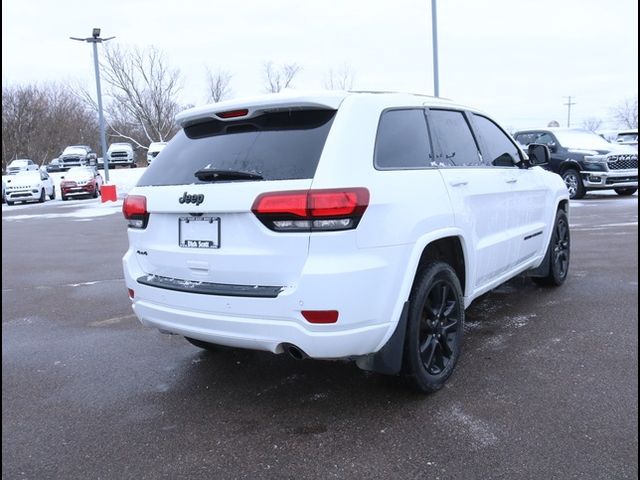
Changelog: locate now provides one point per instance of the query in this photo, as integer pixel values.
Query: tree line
(141, 98)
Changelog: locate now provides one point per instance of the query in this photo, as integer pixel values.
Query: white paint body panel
(367, 273)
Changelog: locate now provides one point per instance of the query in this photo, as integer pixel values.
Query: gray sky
(515, 59)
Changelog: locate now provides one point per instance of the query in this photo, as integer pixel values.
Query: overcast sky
(515, 59)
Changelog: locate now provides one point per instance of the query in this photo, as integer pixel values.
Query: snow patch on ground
(88, 212)
(480, 431)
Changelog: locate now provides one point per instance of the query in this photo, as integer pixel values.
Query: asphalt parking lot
(546, 388)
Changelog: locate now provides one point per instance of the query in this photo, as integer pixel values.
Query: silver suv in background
(154, 150)
(121, 154)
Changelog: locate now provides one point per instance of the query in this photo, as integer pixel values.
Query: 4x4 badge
(186, 198)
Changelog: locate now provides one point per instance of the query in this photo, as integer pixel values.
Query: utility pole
(568, 104)
(95, 39)
(434, 32)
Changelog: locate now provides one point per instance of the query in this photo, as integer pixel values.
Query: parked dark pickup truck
(586, 161)
(77, 156)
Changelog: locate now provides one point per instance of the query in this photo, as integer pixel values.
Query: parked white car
(341, 225)
(21, 165)
(154, 149)
(121, 154)
(29, 185)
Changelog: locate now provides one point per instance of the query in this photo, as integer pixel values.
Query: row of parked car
(118, 155)
(37, 185)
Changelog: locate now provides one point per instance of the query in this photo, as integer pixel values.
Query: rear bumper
(361, 289)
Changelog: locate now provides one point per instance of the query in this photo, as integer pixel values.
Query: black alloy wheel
(558, 253)
(434, 332)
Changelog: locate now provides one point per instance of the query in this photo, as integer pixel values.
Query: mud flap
(388, 360)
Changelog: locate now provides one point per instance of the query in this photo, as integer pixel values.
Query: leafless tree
(340, 79)
(38, 121)
(143, 93)
(592, 124)
(218, 83)
(626, 113)
(277, 77)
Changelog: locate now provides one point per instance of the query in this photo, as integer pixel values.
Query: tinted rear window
(279, 146)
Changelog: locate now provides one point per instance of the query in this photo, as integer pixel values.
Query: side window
(545, 139)
(402, 140)
(457, 145)
(500, 150)
(525, 139)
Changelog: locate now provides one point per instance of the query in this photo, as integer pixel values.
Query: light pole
(434, 33)
(95, 39)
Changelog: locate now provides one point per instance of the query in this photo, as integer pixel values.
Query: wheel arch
(446, 245)
(569, 164)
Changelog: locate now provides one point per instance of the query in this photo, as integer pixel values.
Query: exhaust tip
(295, 352)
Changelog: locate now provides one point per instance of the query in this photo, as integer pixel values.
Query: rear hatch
(200, 192)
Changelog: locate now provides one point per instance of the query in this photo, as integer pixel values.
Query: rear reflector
(233, 113)
(320, 316)
(131, 292)
(134, 209)
(312, 210)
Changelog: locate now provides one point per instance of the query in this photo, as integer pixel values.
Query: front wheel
(626, 192)
(43, 196)
(53, 194)
(574, 184)
(558, 253)
(434, 329)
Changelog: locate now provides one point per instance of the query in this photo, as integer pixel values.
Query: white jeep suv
(351, 225)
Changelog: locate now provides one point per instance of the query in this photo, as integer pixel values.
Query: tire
(9, 203)
(43, 196)
(574, 183)
(211, 347)
(133, 165)
(626, 192)
(95, 192)
(435, 327)
(558, 253)
(53, 194)
(64, 197)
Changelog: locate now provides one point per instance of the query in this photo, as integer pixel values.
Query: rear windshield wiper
(212, 175)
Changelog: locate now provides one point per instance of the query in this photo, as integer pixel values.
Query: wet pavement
(546, 387)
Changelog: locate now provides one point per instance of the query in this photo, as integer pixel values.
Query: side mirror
(538, 154)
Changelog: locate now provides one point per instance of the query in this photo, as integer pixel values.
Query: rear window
(278, 146)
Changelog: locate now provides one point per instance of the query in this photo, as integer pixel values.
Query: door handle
(458, 183)
(512, 180)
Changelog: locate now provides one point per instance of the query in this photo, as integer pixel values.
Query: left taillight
(312, 210)
(135, 211)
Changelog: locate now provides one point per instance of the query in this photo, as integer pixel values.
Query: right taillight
(312, 210)
(134, 210)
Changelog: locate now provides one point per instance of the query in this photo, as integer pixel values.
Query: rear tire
(625, 192)
(434, 328)
(558, 253)
(574, 183)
